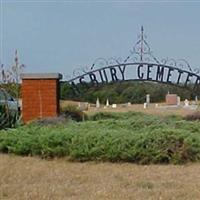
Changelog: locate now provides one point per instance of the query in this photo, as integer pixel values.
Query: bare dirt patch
(33, 178)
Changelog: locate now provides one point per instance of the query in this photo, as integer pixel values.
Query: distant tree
(123, 92)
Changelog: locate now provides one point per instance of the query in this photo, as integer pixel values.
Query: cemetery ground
(161, 110)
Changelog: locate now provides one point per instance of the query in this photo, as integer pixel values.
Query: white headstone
(145, 105)
(196, 99)
(148, 98)
(186, 103)
(129, 104)
(97, 103)
(178, 101)
(114, 105)
(107, 103)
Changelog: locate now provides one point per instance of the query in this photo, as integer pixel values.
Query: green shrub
(114, 137)
(103, 116)
(50, 121)
(193, 116)
(73, 113)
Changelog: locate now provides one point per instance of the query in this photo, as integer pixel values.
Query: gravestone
(196, 99)
(97, 103)
(129, 104)
(148, 98)
(107, 103)
(178, 101)
(171, 99)
(114, 105)
(186, 103)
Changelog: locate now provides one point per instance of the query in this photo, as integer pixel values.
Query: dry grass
(150, 110)
(33, 178)
(64, 103)
(138, 108)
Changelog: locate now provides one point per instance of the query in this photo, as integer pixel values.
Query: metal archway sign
(139, 72)
(140, 65)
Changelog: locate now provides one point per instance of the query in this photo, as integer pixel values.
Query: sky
(60, 36)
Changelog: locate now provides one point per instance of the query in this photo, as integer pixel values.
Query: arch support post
(40, 95)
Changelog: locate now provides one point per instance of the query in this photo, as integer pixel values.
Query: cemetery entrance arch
(140, 65)
(138, 72)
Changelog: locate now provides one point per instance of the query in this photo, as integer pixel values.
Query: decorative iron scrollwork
(102, 62)
(180, 63)
(78, 72)
(196, 70)
(99, 63)
(183, 64)
(140, 53)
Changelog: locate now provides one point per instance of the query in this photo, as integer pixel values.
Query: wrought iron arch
(143, 72)
(147, 68)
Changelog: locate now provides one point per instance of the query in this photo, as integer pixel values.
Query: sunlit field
(25, 178)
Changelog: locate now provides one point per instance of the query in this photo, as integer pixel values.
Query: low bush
(114, 137)
(50, 121)
(193, 116)
(116, 116)
(72, 112)
(103, 116)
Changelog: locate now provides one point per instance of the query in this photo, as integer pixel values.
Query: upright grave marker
(148, 99)
(171, 99)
